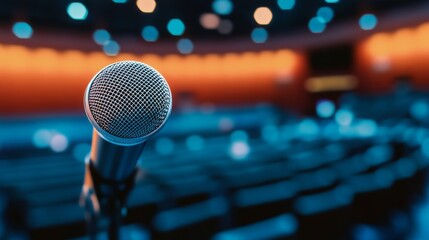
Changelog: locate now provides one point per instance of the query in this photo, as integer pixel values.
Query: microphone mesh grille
(129, 99)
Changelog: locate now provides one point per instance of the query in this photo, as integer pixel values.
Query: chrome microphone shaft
(114, 162)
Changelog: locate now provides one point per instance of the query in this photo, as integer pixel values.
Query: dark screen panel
(337, 58)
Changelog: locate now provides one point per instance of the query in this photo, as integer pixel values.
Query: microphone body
(111, 161)
(126, 102)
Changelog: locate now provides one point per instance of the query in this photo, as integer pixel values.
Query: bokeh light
(176, 27)
(194, 142)
(120, 1)
(222, 7)
(59, 143)
(239, 150)
(150, 33)
(259, 35)
(225, 26)
(209, 21)
(325, 108)
(368, 21)
(332, 1)
(22, 30)
(77, 11)
(101, 36)
(364, 232)
(420, 110)
(381, 64)
(111, 48)
(185, 46)
(263, 15)
(308, 127)
(286, 4)
(42, 138)
(146, 6)
(326, 14)
(344, 117)
(366, 128)
(316, 25)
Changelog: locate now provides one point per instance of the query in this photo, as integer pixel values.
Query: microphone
(126, 102)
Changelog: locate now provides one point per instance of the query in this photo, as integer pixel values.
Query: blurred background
(291, 119)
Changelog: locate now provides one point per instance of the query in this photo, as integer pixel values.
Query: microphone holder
(104, 202)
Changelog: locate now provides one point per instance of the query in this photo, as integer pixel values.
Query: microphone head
(127, 102)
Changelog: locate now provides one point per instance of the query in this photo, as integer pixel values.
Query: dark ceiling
(126, 19)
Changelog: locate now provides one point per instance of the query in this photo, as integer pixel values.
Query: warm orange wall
(48, 80)
(385, 56)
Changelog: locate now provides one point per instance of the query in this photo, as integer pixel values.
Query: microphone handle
(114, 162)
